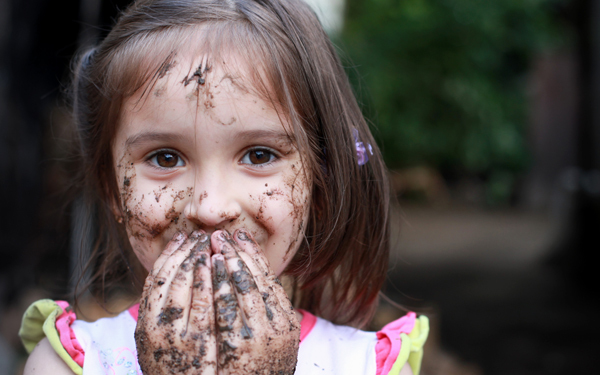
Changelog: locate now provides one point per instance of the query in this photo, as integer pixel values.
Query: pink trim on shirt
(134, 311)
(66, 334)
(307, 323)
(389, 342)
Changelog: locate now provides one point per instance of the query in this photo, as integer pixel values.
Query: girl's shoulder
(334, 349)
(54, 326)
(44, 360)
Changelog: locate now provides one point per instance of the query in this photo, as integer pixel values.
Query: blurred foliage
(444, 81)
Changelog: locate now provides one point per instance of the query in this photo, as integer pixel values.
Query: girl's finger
(175, 243)
(171, 293)
(229, 325)
(202, 291)
(250, 247)
(200, 330)
(272, 307)
(252, 306)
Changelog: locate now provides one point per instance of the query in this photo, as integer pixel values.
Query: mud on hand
(257, 329)
(175, 332)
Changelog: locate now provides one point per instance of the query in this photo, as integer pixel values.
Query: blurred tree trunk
(576, 253)
(38, 39)
(587, 214)
(34, 46)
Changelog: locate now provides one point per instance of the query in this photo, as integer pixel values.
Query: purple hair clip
(361, 150)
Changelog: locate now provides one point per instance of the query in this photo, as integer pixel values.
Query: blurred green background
(444, 82)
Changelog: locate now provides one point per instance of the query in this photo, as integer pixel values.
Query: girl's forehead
(193, 89)
(216, 75)
(199, 73)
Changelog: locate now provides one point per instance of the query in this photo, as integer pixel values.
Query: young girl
(223, 148)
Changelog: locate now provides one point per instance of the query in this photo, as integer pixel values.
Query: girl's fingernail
(197, 234)
(242, 235)
(223, 235)
(179, 236)
(203, 237)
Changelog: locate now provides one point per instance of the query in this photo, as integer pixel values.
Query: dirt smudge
(169, 314)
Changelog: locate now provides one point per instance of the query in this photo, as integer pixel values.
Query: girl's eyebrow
(250, 135)
(147, 137)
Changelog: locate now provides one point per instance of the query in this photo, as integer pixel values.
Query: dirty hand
(175, 332)
(257, 329)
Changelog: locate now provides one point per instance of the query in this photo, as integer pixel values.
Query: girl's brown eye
(166, 160)
(259, 156)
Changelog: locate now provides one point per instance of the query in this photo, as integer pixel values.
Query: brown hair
(340, 268)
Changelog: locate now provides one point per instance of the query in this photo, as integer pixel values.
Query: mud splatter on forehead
(198, 75)
(166, 66)
(140, 63)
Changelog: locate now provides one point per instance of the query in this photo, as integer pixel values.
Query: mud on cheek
(150, 213)
(296, 198)
(299, 199)
(147, 219)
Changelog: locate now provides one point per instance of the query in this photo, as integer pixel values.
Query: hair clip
(361, 150)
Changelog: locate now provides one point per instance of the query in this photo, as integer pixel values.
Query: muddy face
(201, 151)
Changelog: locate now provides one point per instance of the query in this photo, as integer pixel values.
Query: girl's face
(202, 152)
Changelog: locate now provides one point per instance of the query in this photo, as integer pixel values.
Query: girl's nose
(213, 203)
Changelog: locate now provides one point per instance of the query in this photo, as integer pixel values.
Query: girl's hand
(175, 332)
(257, 328)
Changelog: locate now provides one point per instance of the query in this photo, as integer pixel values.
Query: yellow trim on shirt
(411, 350)
(39, 321)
